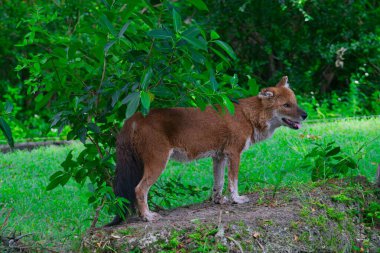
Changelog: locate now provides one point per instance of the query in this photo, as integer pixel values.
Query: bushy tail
(129, 172)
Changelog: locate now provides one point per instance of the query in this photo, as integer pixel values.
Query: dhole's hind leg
(152, 170)
(219, 165)
(233, 172)
(142, 190)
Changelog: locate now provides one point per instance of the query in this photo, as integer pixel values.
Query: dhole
(145, 144)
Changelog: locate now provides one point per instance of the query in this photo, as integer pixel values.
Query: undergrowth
(59, 218)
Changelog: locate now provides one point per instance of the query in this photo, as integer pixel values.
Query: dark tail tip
(116, 221)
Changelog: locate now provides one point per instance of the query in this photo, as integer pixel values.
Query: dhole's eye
(287, 105)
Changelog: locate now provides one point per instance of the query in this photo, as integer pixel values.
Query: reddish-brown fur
(145, 144)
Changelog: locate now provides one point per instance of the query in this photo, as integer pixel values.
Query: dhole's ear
(266, 93)
(283, 82)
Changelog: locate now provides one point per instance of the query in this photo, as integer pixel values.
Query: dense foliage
(330, 49)
(84, 66)
(96, 64)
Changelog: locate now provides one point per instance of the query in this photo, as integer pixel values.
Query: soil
(302, 219)
(184, 217)
(323, 216)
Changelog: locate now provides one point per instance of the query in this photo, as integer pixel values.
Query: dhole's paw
(151, 216)
(220, 200)
(240, 199)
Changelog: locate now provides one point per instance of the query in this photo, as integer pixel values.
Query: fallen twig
(220, 232)
(237, 243)
(6, 219)
(12, 241)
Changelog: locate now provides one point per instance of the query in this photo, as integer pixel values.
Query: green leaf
(82, 134)
(123, 29)
(253, 87)
(199, 43)
(80, 175)
(214, 35)
(160, 34)
(132, 106)
(58, 180)
(131, 5)
(7, 132)
(37, 67)
(146, 20)
(213, 81)
(91, 199)
(130, 96)
(54, 183)
(191, 32)
(146, 78)
(223, 57)
(145, 99)
(93, 127)
(222, 66)
(91, 187)
(8, 107)
(56, 118)
(234, 80)
(197, 57)
(176, 20)
(107, 24)
(115, 97)
(55, 175)
(313, 153)
(333, 152)
(200, 103)
(106, 4)
(64, 179)
(199, 4)
(108, 46)
(69, 162)
(226, 48)
(42, 100)
(227, 102)
(350, 163)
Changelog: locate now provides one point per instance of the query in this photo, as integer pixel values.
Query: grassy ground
(312, 217)
(57, 218)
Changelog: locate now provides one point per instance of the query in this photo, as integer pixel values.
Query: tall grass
(59, 217)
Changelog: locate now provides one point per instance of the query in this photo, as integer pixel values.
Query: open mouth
(292, 124)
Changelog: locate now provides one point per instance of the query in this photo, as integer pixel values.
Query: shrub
(327, 161)
(99, 63)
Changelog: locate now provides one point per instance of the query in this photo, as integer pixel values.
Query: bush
(99, 63)
(327, 161)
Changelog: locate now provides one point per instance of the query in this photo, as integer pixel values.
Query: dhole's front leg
(219, 165)
(233, 171)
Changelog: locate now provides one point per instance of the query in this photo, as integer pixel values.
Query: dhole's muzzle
(294, 124)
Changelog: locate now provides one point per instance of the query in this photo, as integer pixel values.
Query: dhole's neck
(262, 120)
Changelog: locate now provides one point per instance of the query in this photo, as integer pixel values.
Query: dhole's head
(281, 101)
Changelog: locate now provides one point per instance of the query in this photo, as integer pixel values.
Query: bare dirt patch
(184, 217)
(308, 218)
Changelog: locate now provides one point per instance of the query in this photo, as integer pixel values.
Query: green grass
(52, 217)
(283, 154)
(59, 217)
